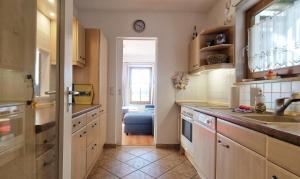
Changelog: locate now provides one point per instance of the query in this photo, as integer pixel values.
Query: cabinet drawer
(46, 165)
(92, 131)
(276, 172)
(45, 141)
(78, 122)
(92, 152)
(284, 155)
(92, 115)
(246, 137)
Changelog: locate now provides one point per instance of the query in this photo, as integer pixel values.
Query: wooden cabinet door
(234, 161)
(81, 42)
(276, 172)
(92, 155)
(79, 154)
(103, 123)
(92, 131)
(204, 150)
(194, 62)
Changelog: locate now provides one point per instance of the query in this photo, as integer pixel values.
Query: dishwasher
(204, 145)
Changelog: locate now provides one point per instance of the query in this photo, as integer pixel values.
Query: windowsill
(269, 81)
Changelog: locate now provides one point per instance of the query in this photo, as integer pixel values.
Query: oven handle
(187, 118)
(203, 126)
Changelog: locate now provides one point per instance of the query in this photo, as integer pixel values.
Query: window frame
(130, 68)
(286, 71)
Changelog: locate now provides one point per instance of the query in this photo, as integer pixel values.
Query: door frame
(64, 78)
(119, 79)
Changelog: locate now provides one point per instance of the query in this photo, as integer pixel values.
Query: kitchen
(227, 89)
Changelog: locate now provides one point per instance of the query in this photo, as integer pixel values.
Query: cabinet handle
(102, 110)
(84, 132)
(80, 135)
(95, 124)
(45, 141)
(274, 177)
(74, 125)
(95, 145)
(79, 122)
(208, 121)
(226, 146)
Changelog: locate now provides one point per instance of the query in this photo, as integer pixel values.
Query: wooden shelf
(216, 47)
(216, 30)
(213, 67)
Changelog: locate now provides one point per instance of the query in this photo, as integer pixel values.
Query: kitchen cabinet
(194, 60)
(234, 161)
(78, 41)
(86, 142)
(204, 150)
(53, 42)
(284, 155)
(103, 124)
(276, 172)
(79, 150)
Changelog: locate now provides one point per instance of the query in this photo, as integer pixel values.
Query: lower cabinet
(86, 146)
(234, 161)
(79, 154)
(276, 172)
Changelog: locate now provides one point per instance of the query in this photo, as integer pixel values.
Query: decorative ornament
(180, 80)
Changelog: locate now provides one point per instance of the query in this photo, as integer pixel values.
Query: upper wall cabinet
(212, 49)
(78, 38)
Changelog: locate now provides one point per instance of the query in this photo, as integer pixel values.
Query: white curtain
(275, 42)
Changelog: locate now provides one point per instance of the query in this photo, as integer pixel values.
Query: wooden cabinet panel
(92, 155)
(46, 165)
(45, 141)
(235, 161)
(78, 122)
(79, 150)
(284, 155)
(204, 150)
(78, 43)
(194, 62)
(103, 128)
(53, 42)
(276, 172)
(92, 131)
(251, 139)
(94, 114)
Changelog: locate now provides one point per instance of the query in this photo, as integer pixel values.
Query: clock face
(139, 26)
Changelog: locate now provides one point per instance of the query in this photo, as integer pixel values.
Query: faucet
(283, 105)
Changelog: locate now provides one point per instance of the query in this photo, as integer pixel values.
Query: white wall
(173, 31)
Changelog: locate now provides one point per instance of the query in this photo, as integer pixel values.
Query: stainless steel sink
(274, 119)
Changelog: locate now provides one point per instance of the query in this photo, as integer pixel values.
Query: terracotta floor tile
(154, 170)
(137, 175)
(121, 170)
(168, 163)
(138, 162)
(173, 175)
(102, 174)
(185, 169)
(123, 156)
(108, 163)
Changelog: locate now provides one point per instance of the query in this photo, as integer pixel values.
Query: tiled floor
(142, 163)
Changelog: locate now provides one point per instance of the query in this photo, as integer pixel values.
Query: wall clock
(139, 26)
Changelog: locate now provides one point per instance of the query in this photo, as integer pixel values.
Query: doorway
(138, 91)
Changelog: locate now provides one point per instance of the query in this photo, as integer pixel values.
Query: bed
(139, 122)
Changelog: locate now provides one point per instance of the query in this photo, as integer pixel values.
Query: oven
(11, 127)
(187, 129)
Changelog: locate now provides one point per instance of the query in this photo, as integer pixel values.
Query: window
(273, 29)
(140, 85)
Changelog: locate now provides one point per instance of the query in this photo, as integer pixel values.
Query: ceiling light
(52, 14)
(51, 1)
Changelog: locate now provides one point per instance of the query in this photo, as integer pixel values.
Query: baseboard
(168, 146)
(109, 146)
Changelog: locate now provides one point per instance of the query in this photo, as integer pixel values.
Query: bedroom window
(140, 85)
(273, 37)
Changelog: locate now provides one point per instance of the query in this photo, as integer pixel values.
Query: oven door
(11, 131)
(187, 128)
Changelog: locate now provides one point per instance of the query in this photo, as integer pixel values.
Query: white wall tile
(286, 87)
(267, 87)
(276, 87)
(296, 86)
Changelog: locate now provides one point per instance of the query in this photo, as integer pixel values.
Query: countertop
(288, 132)
(77, 110)
(45, 117)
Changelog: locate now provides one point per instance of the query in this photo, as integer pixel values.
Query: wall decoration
(139, 26)
(180, 80)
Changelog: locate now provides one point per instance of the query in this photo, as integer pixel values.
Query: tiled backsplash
(271, 91)
(210, 86)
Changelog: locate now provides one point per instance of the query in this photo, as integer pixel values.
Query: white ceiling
(146, 5)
